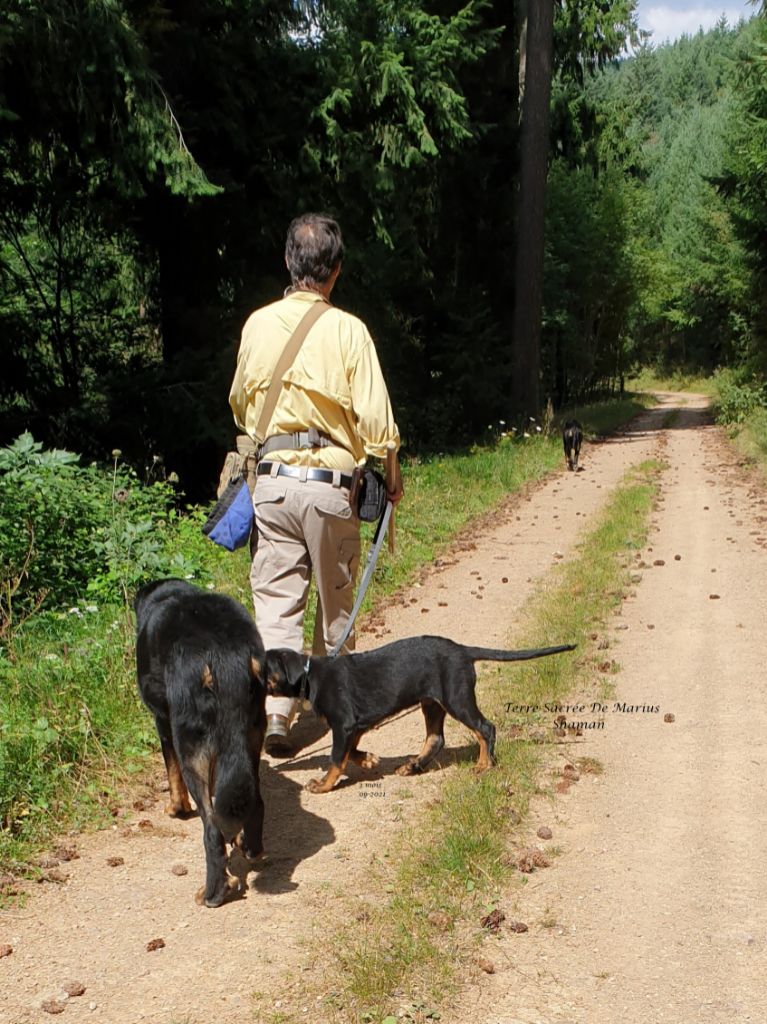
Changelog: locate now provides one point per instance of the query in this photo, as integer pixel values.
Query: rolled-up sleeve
(237, 396)
(370, 401)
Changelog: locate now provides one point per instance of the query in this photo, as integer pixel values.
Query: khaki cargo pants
(302, 528)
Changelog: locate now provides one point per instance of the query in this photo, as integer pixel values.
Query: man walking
(330, 412)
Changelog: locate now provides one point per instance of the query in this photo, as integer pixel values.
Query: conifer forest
(536, 201)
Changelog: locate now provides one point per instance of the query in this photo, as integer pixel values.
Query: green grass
(71, 725)
(72, 729)
(746, 424)
(751, 438)
(602, 418)
(649, 379)
(455, 865)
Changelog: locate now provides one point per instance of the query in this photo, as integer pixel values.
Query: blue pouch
(231, 520)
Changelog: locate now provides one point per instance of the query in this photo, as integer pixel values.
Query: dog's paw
(182, 809)
(226, 889)
(238, 865)
(316, 786)
(410, 768)
(236, 885)
(369, 761)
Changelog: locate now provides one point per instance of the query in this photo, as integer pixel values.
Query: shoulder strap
(286, 360)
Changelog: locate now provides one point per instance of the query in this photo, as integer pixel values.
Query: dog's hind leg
(178, 805)
(253, 827)
(434, 715)
(468, 714)
(200, 779)
(486, 739)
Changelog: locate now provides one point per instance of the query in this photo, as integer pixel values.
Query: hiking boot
(276, 740)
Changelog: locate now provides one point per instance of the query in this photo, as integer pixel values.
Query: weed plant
(69, 531)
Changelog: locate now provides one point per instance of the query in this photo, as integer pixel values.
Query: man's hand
(397, 492)
(394, 489)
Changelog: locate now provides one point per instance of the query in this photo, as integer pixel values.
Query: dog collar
(303, 690)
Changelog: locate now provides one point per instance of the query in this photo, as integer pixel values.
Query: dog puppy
(357, 691)
(199, 659)
(572, 438)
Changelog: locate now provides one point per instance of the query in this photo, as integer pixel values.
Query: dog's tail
(221, 692)
(489, 654)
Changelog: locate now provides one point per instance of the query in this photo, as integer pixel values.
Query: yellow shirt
(335, 384)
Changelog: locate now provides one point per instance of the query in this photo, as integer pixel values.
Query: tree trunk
(534, 151)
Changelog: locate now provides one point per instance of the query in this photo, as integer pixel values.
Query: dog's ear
(283, 670)
(272, 671)
(294, 668)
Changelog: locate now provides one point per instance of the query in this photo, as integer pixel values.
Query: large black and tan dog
(572, 439)
(357, 691)
(199, 658)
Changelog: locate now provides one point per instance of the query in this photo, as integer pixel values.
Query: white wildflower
(91, 608)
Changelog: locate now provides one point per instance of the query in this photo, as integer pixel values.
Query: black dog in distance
(572, 438)
(199, 659)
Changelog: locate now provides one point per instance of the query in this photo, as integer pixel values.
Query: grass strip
(402, 957)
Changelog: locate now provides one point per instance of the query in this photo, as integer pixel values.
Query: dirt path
(656, 910)
(640, 922)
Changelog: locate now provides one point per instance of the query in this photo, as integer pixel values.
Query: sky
(672, 18)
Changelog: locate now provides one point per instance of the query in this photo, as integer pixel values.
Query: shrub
(738, 399)
(68, 530)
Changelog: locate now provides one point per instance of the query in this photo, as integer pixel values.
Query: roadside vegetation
(738, 402)
(421, 925)
(76, 541)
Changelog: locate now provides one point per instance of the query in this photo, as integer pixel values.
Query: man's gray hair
(314, 249)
